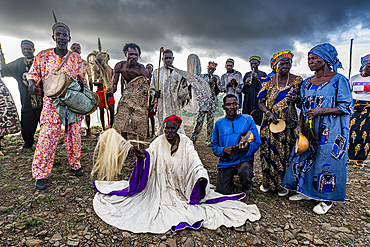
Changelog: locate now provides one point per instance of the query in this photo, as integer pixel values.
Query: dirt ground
(63, 215)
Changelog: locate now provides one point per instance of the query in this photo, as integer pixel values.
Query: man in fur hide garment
(168, 189)
(132, 109)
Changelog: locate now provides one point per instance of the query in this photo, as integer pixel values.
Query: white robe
(164, 202)
(173, 89)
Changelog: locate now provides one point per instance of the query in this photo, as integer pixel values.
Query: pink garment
(45, 63)
(47, 143)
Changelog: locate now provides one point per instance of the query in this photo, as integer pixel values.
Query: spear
(99, 44)
(55, 18)
(350, 60)
(161, 50)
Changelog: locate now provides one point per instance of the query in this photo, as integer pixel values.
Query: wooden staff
(159, 65)
(350, 59)
(161, 50)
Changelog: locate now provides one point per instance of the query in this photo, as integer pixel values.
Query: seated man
(168, 189)
(236, 154)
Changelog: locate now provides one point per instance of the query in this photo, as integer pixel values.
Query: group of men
(168, 91)
(233, 83)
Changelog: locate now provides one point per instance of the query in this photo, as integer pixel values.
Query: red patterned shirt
(47, 62)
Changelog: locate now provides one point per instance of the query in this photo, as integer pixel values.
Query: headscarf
(327, 52)
(280, 55)
(212, 65)
(60, 24)
(364, 61)
(256, 58)
(29, 42)
(174, 119)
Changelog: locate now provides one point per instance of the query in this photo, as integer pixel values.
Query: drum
(56, 85)
(79, 98)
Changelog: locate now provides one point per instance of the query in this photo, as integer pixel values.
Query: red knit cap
(174, 119)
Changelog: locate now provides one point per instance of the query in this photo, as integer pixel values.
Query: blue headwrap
(26, 41)
(364, 61)
(328, 52)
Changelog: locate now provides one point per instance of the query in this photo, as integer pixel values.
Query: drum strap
(59, 67)
(66, 114)
(64, 60)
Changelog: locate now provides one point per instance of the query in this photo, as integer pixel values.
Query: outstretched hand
(140, 154)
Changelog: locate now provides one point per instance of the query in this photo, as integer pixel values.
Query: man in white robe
(169, 189)
(172, 90)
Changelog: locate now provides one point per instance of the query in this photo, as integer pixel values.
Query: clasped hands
(233, 82)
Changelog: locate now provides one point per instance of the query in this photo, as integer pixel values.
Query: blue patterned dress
(321, 172)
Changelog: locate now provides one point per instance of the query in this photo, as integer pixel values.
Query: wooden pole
(159, 65)
(350, 59)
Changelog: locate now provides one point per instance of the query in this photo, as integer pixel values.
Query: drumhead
(56, 84)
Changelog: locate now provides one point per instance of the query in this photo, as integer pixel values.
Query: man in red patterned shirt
(45, 63)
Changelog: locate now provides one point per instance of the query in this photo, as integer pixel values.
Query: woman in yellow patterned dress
(278, 97)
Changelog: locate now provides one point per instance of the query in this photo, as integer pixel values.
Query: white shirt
(360, 87)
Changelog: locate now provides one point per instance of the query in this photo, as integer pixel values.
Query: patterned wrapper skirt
(359, 143)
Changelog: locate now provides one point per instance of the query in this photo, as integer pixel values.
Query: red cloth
(111, 100)
(174, 119)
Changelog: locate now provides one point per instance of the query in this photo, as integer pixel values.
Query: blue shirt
(227, 133)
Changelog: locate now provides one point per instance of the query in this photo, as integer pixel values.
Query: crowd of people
(336, 127)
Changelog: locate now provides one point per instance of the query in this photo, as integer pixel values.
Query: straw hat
(301, 144)
(279, 127)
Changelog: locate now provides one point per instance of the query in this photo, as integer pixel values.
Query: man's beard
(235, 113)
(62, 45)
(132, 63)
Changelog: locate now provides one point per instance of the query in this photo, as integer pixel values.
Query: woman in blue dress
(320, 173)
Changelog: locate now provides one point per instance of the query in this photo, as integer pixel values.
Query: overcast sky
(215, 30)
(208, 28)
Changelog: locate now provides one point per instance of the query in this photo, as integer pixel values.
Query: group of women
(325, 104)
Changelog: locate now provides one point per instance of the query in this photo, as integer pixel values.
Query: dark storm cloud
(212, 28)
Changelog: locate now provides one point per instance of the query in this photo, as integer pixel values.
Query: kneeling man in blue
(236, 153)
